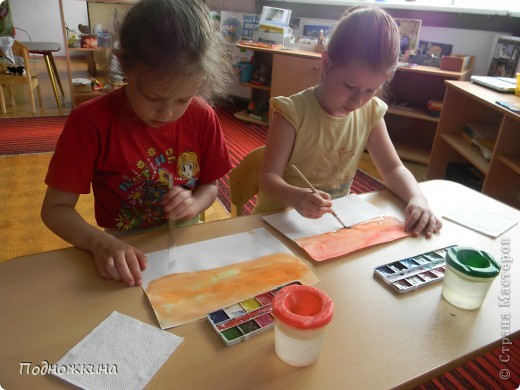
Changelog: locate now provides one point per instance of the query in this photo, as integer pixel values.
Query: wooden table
(377, 339)
(46, 49)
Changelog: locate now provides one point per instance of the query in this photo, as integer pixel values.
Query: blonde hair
(176, 35)
(367, 34)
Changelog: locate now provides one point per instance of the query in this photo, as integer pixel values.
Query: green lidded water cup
(469, 274)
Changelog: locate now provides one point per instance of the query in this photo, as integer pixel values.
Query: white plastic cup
(468, 277)
(301, 315)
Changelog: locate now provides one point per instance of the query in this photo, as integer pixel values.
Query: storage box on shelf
(456, 62)
(411, 124)
(291, 71)
(466, 103)
(100, 12)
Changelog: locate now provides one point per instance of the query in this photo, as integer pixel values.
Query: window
(501, 7)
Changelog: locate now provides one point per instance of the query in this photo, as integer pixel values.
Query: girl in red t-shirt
(127, 144)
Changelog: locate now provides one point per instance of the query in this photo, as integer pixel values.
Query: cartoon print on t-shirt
(145, 186)
(188, 168)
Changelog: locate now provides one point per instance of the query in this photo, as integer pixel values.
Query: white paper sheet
(482, 221)
(209, 254)
(352, 210)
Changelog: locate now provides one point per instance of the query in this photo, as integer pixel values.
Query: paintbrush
(316, 192)
(171, 229)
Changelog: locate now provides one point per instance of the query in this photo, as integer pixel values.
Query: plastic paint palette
(245, 319)
(414, 272)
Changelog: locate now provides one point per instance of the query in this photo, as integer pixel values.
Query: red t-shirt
(128, 163)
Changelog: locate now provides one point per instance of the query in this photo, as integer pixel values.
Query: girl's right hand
(312, 205)
(117, 260)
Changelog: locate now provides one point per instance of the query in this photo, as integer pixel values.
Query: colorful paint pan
(244, 319)
(411, 273)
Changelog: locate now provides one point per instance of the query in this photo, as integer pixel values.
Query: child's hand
(312, 205)
(420, 218)
(117, 260)
(179, 204)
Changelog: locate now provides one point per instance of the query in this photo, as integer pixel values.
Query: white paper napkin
(120, 353)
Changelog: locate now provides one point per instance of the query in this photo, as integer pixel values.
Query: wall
(471, 34)
(41, 18)
(232, 5)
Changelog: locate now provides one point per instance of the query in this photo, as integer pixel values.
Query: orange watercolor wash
(341, 242)
(184, 297)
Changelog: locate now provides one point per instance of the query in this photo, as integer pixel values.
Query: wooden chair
(28, 78)
(243, 180)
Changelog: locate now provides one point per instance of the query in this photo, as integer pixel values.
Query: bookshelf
(291, 71)
(412, 129)
(465, 103)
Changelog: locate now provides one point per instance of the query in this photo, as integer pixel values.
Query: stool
(46, 49)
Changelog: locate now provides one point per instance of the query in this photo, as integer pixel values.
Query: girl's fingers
(124, 270)
(110, 268)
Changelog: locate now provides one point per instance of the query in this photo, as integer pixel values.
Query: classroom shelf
(417, 113)
(87, 49)
(511, 162)
(99, 12)
(291, 71)
(256, 86)
(464, 103)
(417, 85)
(470, 152)
(244, 116)
(409, 151)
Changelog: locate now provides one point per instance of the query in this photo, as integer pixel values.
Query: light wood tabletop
(377, 339)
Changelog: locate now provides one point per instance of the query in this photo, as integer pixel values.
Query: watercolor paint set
(412, 273)
(245, 319)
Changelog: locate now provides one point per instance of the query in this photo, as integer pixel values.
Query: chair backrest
(243, 180)
(28, 78)
(21, 50)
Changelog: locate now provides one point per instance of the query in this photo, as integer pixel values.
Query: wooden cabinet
(99, 12)
(292, 74)
(412, 129)
(464, 103)
(291, 71)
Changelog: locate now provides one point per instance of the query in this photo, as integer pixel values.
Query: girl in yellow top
(325, 129)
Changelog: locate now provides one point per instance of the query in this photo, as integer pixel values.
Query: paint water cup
(301, 315)
(469, 274)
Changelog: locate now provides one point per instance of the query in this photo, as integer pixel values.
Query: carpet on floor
(498, 369)
(29, 135)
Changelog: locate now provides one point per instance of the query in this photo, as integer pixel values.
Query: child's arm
(183, 204)
(419, 216)
(114, 259)
(280, 141)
